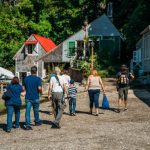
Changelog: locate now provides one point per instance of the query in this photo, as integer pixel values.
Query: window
(71, 47)
(29, 48)
(137, 55)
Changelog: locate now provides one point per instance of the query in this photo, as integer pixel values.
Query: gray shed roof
(102, 26)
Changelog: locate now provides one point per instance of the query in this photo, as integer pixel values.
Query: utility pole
(92, 55)
(85, 37)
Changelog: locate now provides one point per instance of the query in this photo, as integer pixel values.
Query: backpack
(123, 79)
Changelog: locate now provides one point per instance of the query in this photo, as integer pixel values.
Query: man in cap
(56, 90)
(123, 78)
(33, 87)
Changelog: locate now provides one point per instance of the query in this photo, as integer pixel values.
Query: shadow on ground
(143, 96)
(110, 109)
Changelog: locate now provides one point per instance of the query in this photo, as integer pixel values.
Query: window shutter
(135, 56)
(71, 47)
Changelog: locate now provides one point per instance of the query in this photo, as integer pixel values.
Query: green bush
(103, 73)
(85, 67)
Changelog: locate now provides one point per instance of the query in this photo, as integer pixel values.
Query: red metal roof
(46, 43)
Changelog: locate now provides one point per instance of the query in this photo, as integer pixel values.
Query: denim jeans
(72, 105)
(10, 110)
(94, 97)
(29, 104)
(57, 100)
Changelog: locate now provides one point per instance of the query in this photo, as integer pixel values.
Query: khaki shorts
(123, 93)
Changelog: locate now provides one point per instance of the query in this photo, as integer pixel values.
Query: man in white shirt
(56, 90)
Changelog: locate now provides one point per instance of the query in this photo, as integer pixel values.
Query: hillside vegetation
(57, 19)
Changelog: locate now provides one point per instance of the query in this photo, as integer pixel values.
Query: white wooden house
(36, 46)
(141, 56)
(146, 49)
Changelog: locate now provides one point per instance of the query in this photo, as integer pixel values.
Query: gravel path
(128, 130)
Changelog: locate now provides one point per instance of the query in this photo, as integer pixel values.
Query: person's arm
(131, 76)
(76, 90)
(65, 88)
(50, 87)
(102, 85)
(40, 86)
(40, 89)
(23, 93)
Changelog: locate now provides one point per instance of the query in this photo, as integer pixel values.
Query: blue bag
(105, 102)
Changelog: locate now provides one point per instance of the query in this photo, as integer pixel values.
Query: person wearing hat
(123, 78)
(72, 90)
(57, 89)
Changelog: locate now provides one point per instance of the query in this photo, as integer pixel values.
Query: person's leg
(125, 97)
(74, 105)
(36, 111)
(17, 116)
(60, 108)
(70, 105)
(91, 97)
(96, 101)
(54, 105)
(120, 95)
(10, 110)
(27, 113)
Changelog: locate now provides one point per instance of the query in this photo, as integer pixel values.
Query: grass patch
(2, 105)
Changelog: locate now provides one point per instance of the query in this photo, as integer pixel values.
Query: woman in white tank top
(94, 84)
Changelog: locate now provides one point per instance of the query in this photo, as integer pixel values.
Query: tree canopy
(59, 19)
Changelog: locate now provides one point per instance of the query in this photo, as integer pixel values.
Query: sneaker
(125, 109)
(15, 127)
(118, 110)
(8, 130)
(38, 123)
(27, 127)
(55, 126)
(73, 114)
(90, 112)
(96, 114)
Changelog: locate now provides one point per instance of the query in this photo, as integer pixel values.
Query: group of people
(60, 86)
(31, 89)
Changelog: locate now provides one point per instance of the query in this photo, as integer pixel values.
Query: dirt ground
(127, 130)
